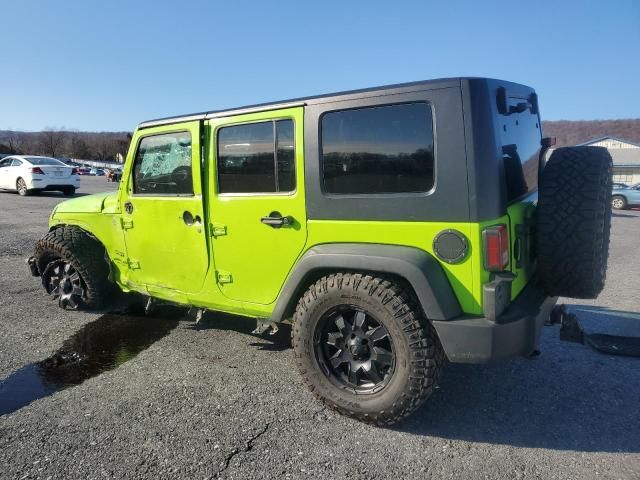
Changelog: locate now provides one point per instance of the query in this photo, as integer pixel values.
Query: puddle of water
(101, 345)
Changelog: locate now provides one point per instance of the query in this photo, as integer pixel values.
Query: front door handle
(275, 220)
(128, 207)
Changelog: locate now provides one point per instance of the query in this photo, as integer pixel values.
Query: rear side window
(386, 149)
(256, 157)
(44, 161)
(163, 165)
(16, 162)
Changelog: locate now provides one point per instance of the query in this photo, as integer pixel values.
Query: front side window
(163, 165)
(5, 163)
(385, 149)
(256, 157)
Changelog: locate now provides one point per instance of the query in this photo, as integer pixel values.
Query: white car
(30, 174)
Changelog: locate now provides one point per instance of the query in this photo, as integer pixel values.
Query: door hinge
(224, 277)
(126, 223)
(218, 230)
(133, 264)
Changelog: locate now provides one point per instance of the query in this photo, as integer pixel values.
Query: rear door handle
(189, 219)
(276, 220)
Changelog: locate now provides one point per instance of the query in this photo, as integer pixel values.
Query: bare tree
(123, 148)
(52, 141)
(78, 147)
(14, 141)
(103, 148)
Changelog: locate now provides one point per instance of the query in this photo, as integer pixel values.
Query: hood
(95, 203)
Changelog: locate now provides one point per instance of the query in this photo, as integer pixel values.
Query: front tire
(618, 202)
(364, 347)
(73, 268)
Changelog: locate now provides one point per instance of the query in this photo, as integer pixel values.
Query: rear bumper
(42, 182)
(516, 332)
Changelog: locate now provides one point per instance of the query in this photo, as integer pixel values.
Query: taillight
(496, 248)
(37, 170)
(74, 171)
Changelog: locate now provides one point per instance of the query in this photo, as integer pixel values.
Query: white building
(625, 155)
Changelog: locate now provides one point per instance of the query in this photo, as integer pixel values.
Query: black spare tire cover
(573, 221)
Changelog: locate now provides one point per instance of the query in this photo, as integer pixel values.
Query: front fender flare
(420, 269)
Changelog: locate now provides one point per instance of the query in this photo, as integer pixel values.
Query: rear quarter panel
(413, 234)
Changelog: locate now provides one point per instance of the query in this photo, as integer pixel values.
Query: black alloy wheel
(354, 350)
(63, 281)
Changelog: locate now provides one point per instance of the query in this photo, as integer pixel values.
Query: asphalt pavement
(214, 401)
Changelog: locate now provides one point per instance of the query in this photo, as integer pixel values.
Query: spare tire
(573, 221)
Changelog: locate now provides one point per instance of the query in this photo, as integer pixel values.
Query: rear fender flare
(415, 266)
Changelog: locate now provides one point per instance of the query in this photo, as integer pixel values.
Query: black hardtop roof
(346, 95)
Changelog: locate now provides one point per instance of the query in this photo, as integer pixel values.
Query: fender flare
(420, 269)
(91, 235)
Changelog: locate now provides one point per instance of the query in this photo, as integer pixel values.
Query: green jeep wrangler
(394, 227)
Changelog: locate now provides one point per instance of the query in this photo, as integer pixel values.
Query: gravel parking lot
(212, 400)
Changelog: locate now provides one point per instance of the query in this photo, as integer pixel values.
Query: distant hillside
(110, 145)
(574, 132)
(66, 144)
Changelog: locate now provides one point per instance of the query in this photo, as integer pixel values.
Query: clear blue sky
(108, 65)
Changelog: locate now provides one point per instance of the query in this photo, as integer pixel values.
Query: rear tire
(363, 346)
(69, 191)
(21, 187)
(618, 202)
(574, 221)
(68, 250)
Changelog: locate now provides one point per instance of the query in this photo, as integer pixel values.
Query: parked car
(97, 171)
(619, 185)
(389, 245)
(622, 198)
(84, 171)
(31, 174)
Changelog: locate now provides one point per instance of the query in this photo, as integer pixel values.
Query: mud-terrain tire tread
(86, 255)
(427, 356)
(574, 221)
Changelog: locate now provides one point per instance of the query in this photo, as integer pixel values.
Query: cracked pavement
(214, 401)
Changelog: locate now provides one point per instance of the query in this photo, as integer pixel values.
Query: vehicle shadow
(49, 194)
(623, 215)
(569, 398)
(60, 194)
(223, 321)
